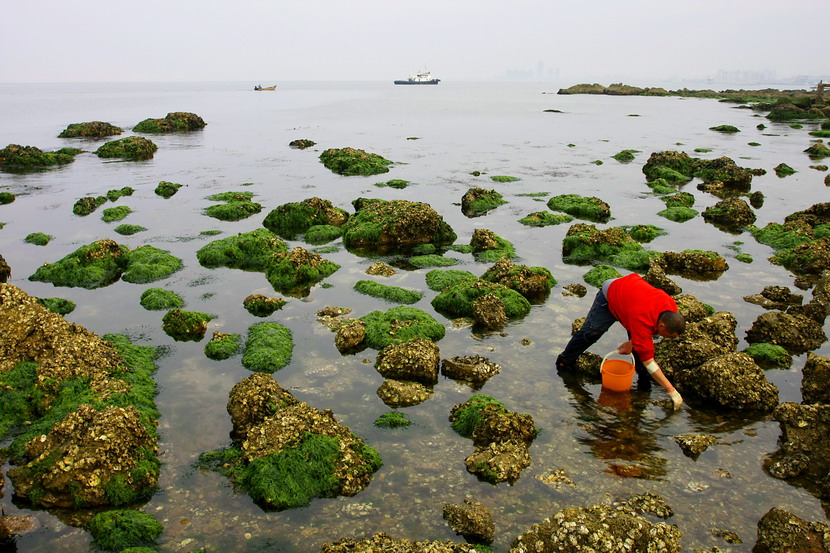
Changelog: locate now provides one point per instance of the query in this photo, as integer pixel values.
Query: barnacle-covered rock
(403, 393)
(472, 520)
(489, 312)
(795, 333)
(815, 381)
(534, 283)
(657, 277)
(380, 268)
(695, 264)
(703, 340)
(416, 360)
(775, 297)
(731, 381)
(383, 543)
(474, 369)
(804, 450)
(694, 444)
(396, 225)
(781, 531)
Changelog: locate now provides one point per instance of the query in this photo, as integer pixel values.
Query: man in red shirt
(644, 311)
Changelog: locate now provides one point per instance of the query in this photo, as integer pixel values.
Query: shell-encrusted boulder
(804, 443)
(657, 277)
(695, 443)
(401, 393)
(775, 297)
(291, 219)
(380, 269)
(731, 381)
(383, 543)
(350, 336)
(83, 454)
(598, 528)
(531, 282)
(499, 425)
(483, 239)
(730, 213)
(499, 461)
(692, 309)
(795, 333)
(696, 265)
(380, 225)
(472, 520)
(474, 369)
(489, 312)
(5, 270)
(295, 272)
(254, 399)
(780, 531)
(702, 341)
(815, 380)
(416, 360)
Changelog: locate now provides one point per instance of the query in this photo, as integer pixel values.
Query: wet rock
(222, 346)
(262, 306)
(695, 265)
(499, 461)
(293, 218)
(795, 333)
(599, 528)
(731, 214)
(695, 443)
(531, 282)
(775, 297)
(588, 365)
(474, 369)
(352, 161)
(780, 531)
(703, 340)
(804, 444)
(254, 399)
(333, 311)
(815, 380)
(131, 148)
(416, 360)
(657, 277)
(16, 158)
(650, 503)
(472, 520)
(396, 225)
(295, 272)
(184, 325)
(731, 381)
(403, 393)
(16, 525)
(575, 289)
(483, 239)
(302, 143)
(94, 129)
(5, 270)
(177, 121)
(383, 543)
(380, 269)
(692, 309)
(489, 312)
(477, 201)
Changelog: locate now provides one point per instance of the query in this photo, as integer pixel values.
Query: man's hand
(676, 399)
(625, 348)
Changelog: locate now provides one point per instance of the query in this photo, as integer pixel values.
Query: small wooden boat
(259, 87)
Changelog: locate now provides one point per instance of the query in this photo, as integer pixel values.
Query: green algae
(477, 201)
(457, 300)
(438, 280)
(294, 218)
(585, 244)
(158, 298)
(223, 346)
(88, 204)
(645, 233)
(769, 355)
(432, 260)
(398, 184)
(725, 129)
(473, 413)
(544, 219)
(6, 198)
(322, 234)
(128, 230)
(249, 251)
(115, 213)
(352, 161)
(18, 393)
(817, 151)
(259, 305)
(398, 325)
(167, 189)
(91, 266)
(16, 158)
(178, 121)
(149, 264)
(389, 293)
(186, 326)
(268, 348)
(295, 272)
(679, 199)
(625, 156)
(590, 208)
(392, 419)
(661, 186)
(119, 529)
(38, 238)
(503, 178)
(678, 214)
(131, 148)
(599, 274)
(236, 206)
(490, 247)
(302, 143)
(115, 194)
(93, 129)
(744, 258)
(60, 306)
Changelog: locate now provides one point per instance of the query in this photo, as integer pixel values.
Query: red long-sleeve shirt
(637, 305)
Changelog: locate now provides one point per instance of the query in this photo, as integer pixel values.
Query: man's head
(670, 324)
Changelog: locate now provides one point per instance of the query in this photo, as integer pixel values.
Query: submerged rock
(29, 158)
(478, 201)
(294, 273)
(804, 452)
(695, 443)
(474, 369)
(383, 543)
(703, 340)
(184, 325)
(780, 531)
(262, 306)
(350, 336)
(731, 214)
(291, 219)
(775, 297)
(488, 311)
(415, 360)
(534, 283)
(352, 161)
(472, 520)
(131, 148)
(403, 393)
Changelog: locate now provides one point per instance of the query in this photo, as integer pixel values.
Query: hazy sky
(269, 41)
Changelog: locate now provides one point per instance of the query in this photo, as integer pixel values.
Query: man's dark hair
(675, 322)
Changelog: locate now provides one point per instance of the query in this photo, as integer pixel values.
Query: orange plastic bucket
(617, 374)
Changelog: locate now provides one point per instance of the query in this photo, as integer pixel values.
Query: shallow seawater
(609, 446)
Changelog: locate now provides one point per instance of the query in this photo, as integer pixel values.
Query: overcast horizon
(267, 42)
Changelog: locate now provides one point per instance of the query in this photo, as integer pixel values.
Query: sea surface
(437, 136)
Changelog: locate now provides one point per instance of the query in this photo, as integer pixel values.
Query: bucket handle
(614, 352)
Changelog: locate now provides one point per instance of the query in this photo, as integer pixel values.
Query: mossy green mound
(28, 158)
(585, 244)
(92, 266)
(400, 324)
(259, 305)
(544, 219)
(534, 283)
(186, 326)
(432, 260)
(398, 184)
(477, 201)
(115, 194)
(268, 348)
(457, 301)
(167, 189)
(130, 148)
(680, 168)
(590, 208)
(295, 272)
(678, 214)
(395, 225)
(392, 419)
(473, 413)
(439, 280)
(625, 156)
(503, 178)
(291, 219)
(6, 198)
(223, 346)
(128, 230)
(159, 298)
(490, 247)
(90, 129)
(817, 151)
(744, 258)
(661, 186)
(390, 293)
(322, 234)
(302, 143)
(783, 170)
(88, 204)
(178, 121)
(60, 306)
(115, 213)
(725, 129)
(351, 161)
(599, 274)
(645, 233)
(249, 251)
(37, 238)
(236, 206)
(119, 529)
(679, 199)
(149, 264)
(769, 355)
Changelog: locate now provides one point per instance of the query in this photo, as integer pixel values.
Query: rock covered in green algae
(394, 294)
(585, 243)
(439, 280)
(392, 419)
(178, 121)
(794, 332)
(302, 143)
(322, 234)
(769, 355)
(400, 324)
(544, 219)
(394, 225)
(121, 529)
(696, 264)
(115, 213)
(38, 238)
(159, 298)
(478, 201)
(167, 189)
(731, 213)
(128, 230)
(6, 198)
(185, 326)
(457, 300)
(88, 204)
(97, 264)
(645, 233)
(625, 156)
(784, 170)
(236, 206)
(90, 129)
(260, 305)
(149, 264)
(489, 246)
(534, 283)
(351, 161)
(293, 218)
(268, 348)
(295, 272)
(130, 148)
(583, 207)
(731, 381)
(248, 250)
(29, 158)
(116, 193)
(728, 129)
(60, 306)
(398, 184)
(415, 360)
(222, 346)
(679, 168)
(288, 453)
(817, 150)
